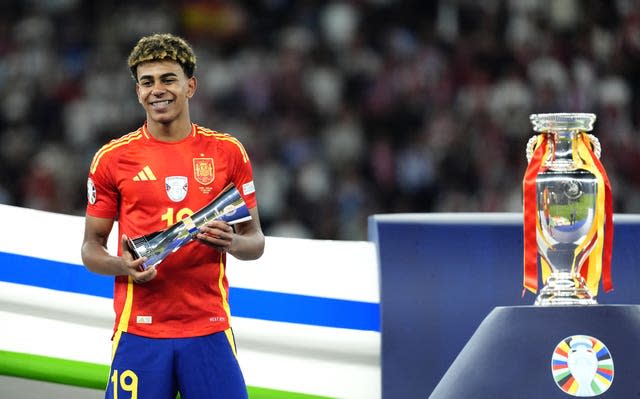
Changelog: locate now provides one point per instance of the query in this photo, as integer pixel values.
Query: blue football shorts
(158, 368)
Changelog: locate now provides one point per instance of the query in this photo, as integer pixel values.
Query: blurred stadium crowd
(348, 108)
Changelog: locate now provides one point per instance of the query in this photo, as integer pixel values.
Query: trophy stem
(565, 289)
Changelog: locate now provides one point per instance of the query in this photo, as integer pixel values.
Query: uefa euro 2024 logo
(582, 366)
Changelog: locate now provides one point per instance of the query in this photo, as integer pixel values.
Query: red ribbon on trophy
(598, 263)
(531, 216)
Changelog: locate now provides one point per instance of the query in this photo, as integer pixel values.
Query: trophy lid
(582, 122)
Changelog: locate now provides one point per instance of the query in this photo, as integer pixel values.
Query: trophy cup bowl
(227, 206)
(566, 204)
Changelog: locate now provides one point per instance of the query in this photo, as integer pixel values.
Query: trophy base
(564, 289)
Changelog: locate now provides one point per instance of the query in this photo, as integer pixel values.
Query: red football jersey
(148, 185)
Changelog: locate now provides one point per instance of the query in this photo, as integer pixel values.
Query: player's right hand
(134, 267)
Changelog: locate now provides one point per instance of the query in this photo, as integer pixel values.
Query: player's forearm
(247, 247)
(97, 259)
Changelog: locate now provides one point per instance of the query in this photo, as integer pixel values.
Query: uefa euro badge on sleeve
(567, 207)
(227, 206)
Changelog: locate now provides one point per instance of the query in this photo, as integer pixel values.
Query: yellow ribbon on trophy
(598, 263)
(600, 236)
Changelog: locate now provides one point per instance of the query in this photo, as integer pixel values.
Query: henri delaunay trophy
(227, 206)
(567, 208)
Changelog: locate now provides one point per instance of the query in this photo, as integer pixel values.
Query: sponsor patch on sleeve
(248, 188)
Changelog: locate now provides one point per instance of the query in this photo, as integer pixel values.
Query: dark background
(347, 108)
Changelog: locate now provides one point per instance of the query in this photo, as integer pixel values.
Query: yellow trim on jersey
(125, 315)
(245, 157)
(114, 344)
(223, 293)
(124, 319)
(113, 144)
(224, 137)
(225, 304)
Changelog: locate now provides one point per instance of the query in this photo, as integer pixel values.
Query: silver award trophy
(565, 206)
(227, 206)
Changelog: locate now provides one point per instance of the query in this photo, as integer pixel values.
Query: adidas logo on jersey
(144, 175)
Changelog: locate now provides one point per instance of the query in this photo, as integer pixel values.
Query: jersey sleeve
(242, 175)
(102, 195)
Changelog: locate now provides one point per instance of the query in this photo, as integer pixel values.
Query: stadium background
(348, 108)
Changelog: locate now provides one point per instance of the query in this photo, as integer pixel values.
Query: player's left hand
(218, 234)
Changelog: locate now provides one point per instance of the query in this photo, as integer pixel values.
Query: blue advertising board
(442, 274)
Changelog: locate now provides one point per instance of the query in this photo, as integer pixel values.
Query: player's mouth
(158, 105)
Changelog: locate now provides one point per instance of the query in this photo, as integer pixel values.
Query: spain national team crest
(582, 366)
(177, 187)
(203, 170)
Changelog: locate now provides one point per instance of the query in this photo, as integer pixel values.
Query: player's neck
(175, 130)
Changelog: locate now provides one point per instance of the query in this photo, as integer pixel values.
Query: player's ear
(192, 85)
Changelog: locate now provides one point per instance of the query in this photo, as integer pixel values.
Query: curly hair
(162, 46)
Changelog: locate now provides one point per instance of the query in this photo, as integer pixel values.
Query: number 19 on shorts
(127, 381)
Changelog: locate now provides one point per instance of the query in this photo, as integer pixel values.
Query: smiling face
(164, 91)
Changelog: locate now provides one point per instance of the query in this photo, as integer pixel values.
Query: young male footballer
(172, 333)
